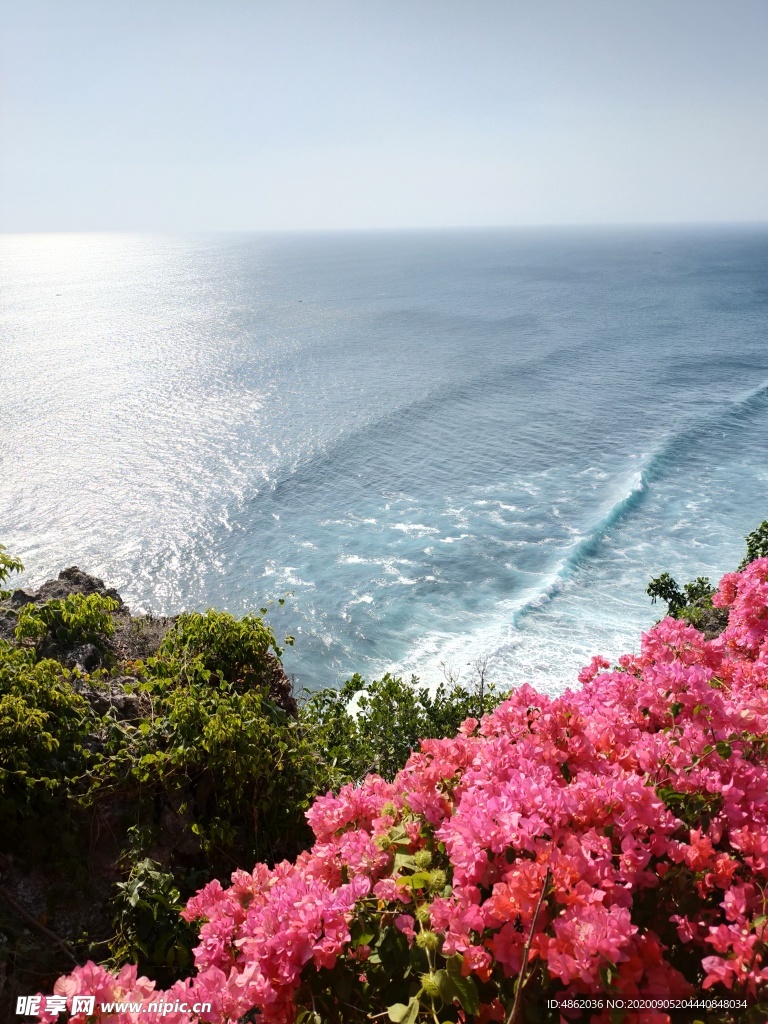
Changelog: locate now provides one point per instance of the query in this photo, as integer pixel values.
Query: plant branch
(517, 1004)
(25, 914)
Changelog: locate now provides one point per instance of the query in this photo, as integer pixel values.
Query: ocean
(440, 447)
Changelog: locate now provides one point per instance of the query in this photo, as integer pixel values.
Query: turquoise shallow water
(445, 446)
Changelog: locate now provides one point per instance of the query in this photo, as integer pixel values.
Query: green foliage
(372, 727)
(235, 650)
(7, 566)
(147, 920)
(75, 619)
(692, 603)
(43, 725)
(207, 761)
(699, 591)
(698, 609)
(757, 544)
(665, 588)
(225, 753)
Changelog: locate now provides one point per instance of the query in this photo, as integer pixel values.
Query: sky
(156, 115)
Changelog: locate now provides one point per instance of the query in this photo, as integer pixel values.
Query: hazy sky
(263, 114)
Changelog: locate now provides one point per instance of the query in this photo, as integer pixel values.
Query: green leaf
(466, 987)
(399, 1013)
(421, 880)
(723, 748)
(448, 991)
(403, 860)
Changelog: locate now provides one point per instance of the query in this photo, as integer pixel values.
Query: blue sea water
(444, 446)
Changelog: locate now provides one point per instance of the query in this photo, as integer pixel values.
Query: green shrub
(216, 646)
(372, 727)
(43, 723)
(75, 619)
(666, 589)
(7, 566)
(757, 544)
(217, 774)
(147, 922)
(217, 742)
(228, 751)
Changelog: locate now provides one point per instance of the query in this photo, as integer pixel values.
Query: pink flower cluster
(614, 836)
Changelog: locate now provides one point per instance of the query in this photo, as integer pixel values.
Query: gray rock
(85, 657)
(115, 695)
(74, 581)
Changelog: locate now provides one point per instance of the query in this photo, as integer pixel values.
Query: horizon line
(412, 228)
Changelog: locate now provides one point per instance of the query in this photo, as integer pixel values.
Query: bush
(43, 725)
(757, 544)
(75, 619)
(690, 604)
(234, 650)
(148, 924)
(7, 566)
(181, 749)
(373, 727)
(213, 751)
(612, 840)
